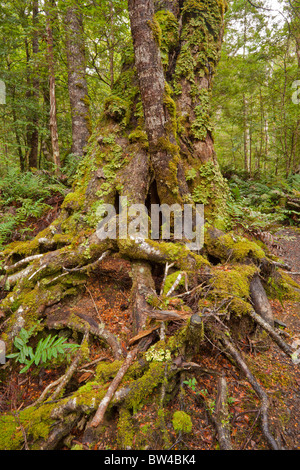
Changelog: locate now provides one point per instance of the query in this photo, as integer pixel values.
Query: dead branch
(176, 283)
(142, 335)
(46, 390)
(233, 353)
(168, 315)
(168, 266)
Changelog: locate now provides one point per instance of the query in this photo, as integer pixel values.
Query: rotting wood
(143, 334)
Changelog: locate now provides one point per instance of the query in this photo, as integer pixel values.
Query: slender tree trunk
(52, 86)
(112, 46)
(34, 137)
(246, 137)
(22, 158)
(78, 91)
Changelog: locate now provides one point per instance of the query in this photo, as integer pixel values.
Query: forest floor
(107, 295)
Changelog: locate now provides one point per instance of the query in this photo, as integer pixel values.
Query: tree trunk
(163, 155)
(164, 152)
(34, 137)
(52, 85)
(78, 91)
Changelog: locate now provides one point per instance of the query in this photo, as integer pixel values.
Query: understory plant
(47, 349)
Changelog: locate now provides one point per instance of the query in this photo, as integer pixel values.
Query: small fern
(46, 349)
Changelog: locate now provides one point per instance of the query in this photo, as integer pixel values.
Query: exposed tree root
(260, 300)
(98, 330)
(57, 269)
(62, 381)
(234, 354)
(97, 420)
(275, 336)
(221, 416)
(61, 430)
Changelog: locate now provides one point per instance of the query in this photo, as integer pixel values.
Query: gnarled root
(275, 336)
(221, 416)
(234, 354)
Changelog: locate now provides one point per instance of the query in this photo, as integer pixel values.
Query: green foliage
(191, 383)
(47, 349)
(24, 196)
(255, 119)
(258, 204)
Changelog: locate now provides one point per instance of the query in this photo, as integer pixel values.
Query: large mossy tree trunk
(153, 145)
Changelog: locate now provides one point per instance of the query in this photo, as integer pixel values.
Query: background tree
(49, 11)
(78, 92)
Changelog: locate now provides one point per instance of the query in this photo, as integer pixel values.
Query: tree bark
(153, 90)
(78, 91)
(54, 265)
(34, 134)
(52, 86)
